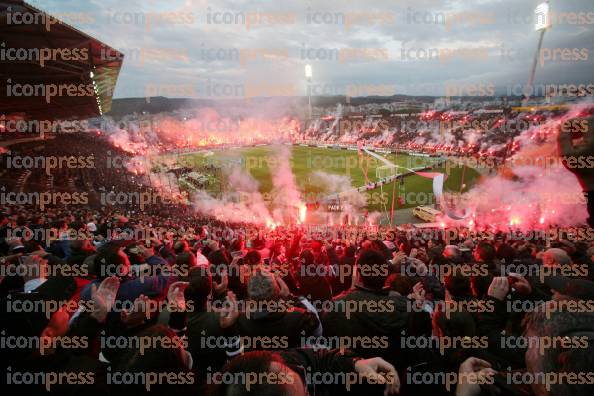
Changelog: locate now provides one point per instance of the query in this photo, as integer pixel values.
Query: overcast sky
(190, 47)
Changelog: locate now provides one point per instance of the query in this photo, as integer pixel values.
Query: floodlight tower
(308, 76)
(543, 23)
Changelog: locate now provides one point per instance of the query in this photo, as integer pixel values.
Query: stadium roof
(92, 65)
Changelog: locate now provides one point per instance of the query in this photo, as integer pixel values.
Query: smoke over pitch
(533, 190)
(244, 203)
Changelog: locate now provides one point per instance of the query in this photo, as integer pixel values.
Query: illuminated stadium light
(543, 17)
(308, 71)
(543, 23)
(308, 75)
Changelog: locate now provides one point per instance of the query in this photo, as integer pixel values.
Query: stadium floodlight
(543, 22)
(91, 74)
(308, 75)
(543, 16)
(308, 72)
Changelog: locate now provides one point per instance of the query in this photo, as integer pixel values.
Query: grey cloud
(414, 76)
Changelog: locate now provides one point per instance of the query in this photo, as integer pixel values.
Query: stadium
(297, 199)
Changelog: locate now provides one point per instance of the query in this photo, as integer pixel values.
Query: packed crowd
(106, 302)
(98, 164)
(478, 132)
(486, 133)
(110, 299)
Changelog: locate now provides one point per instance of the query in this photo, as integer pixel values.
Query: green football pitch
(305, 161)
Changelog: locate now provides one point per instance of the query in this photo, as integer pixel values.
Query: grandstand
(36, 123)
(94, 65)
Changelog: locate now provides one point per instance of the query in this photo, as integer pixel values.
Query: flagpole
(392, 206)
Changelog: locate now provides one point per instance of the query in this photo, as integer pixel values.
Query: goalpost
(385, 171)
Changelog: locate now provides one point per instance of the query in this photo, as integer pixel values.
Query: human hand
(418, 294)
(104, 297)
(471, 374)
(499, 288)
(378, 371)
(220, 288)
(139, 312)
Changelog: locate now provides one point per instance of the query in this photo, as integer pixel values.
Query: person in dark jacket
(368, 310)
(344, 277)
(209, 342)
(314, 277)
(271, 313)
